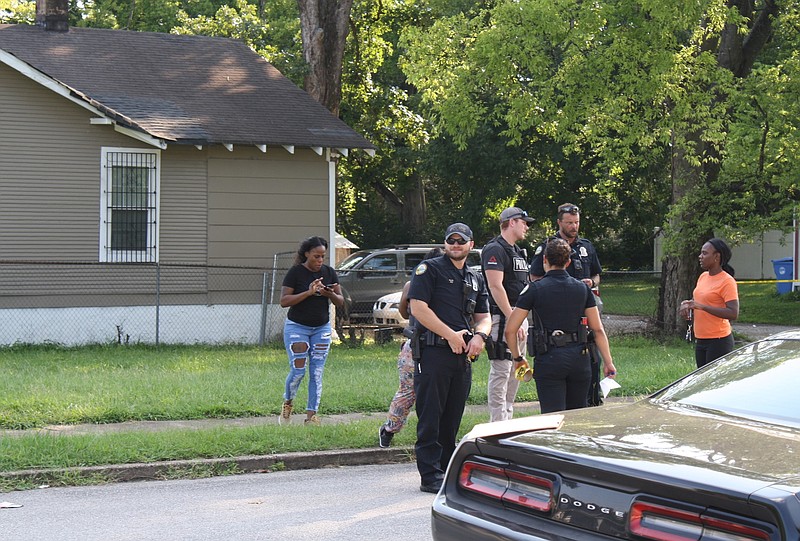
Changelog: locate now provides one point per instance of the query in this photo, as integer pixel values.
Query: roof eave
(130, 128)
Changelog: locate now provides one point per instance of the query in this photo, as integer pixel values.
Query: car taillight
(507, 485)
(663, 523)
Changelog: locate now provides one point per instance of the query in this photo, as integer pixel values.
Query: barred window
(129, 205)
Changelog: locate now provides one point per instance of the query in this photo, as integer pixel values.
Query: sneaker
(286, 413)
(384, 437)
(312, 421)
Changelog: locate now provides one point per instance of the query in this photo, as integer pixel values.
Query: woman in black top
(307, 290)
(563, 372)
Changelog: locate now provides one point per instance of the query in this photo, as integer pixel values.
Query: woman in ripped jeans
(307, 290)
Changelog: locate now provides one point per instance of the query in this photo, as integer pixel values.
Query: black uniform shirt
(582, 250)
(440, 285)
(559, 299)
(312, 311)
(496, 255)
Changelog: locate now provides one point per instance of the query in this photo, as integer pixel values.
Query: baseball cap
(459, 229)
(514, 212)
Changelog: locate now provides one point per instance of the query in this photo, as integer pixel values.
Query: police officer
(505, 270)
(451, 306)
(558, 335)
(585, 264)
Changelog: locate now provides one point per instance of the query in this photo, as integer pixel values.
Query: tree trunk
(414, 213)
(678, 276)
(680, 268)
(324, 28)
(736, 52)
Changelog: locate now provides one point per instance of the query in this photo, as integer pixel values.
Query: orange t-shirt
(714, 291)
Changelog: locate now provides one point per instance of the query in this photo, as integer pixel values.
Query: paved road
(332, 504)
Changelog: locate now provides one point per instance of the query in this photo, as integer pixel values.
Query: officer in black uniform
(562, 308)
(451, 306)
(585, 264)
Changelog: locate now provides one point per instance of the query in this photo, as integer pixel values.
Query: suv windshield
(352, 260)
(368, 275)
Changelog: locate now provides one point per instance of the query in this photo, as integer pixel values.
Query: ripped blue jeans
(306, 346)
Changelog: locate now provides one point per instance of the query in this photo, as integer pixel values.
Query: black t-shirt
(496, 255)
(440, 285)
(583, 255)
(559, 299)
(312, 311)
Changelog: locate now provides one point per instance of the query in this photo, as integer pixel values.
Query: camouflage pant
(403, 400)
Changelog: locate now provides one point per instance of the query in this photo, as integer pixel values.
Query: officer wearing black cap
(505, 269)
(451, 306)
(585, 264)
(564, 310)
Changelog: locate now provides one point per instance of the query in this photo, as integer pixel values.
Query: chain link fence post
(158, 301)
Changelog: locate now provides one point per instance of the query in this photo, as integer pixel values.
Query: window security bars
(130, 206)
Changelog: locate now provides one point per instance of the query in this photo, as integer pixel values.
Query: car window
(474, 259)
(412, 260)
(758, 382)
(352, 260)
(384, 262)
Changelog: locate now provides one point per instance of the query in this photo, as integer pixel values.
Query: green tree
(17, 12)
(631, 88)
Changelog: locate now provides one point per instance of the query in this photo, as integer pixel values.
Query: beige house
(752, 260)
(129, 148)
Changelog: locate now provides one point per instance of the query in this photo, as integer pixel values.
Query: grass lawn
(103, 384)
(758, 302)
(108, 384)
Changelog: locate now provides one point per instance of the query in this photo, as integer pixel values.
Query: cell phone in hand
(330, 287)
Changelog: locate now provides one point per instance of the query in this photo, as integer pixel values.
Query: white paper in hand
(607, 384)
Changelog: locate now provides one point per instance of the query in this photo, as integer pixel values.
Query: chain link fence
(85, 303)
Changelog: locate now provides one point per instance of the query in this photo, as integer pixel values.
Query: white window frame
(149, 200)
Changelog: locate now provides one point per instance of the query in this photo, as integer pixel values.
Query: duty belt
(560, 338)
(432, 339)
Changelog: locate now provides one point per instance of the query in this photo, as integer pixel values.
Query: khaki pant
(503, 386)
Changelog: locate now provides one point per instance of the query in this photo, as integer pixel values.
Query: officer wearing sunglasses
(584, 263)
(451, 307)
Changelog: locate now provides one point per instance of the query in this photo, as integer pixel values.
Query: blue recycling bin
(783, 271)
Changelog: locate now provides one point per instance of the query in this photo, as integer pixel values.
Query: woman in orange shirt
(714, 304)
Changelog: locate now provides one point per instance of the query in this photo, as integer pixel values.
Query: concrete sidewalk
(244, 464)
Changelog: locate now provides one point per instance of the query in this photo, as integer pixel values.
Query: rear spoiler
(513, 427)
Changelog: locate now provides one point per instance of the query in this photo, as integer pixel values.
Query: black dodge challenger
(714, 456)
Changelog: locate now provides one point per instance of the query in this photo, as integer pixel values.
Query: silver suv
(367, 275)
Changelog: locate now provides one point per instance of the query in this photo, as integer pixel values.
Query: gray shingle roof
(184, 89)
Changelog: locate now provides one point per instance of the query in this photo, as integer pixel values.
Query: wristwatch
(519, 359)
(482, 335)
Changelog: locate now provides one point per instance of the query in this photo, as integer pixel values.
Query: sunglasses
(572, 209)
(456, 240)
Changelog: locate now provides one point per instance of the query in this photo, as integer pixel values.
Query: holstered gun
(415, 337)
(537, 338)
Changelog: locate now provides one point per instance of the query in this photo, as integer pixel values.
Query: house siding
(184, 199)
(50, 163)
(50, 205)
(217, 209)
(263, 204)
